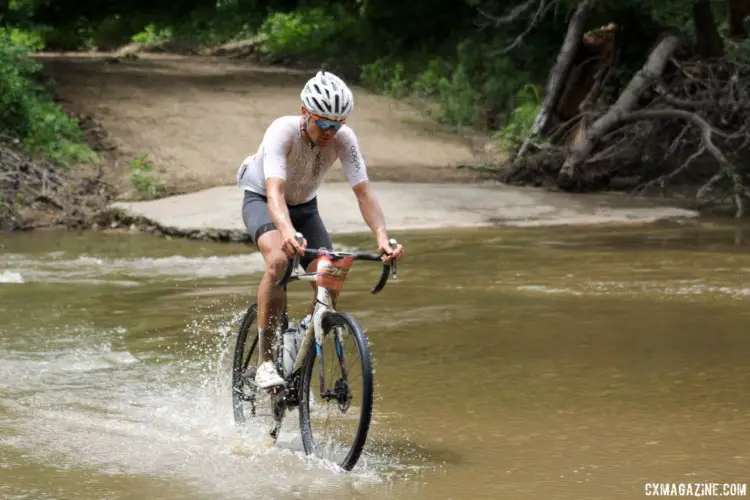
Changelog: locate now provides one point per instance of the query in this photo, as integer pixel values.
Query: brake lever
(297, 236)
(291, 263)
(393, 243)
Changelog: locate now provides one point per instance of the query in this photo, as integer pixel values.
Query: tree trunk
(559, 72)
(707, 36)
(652, 70)
(738, 9)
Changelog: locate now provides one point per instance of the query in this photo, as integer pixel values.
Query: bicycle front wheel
(336, 393)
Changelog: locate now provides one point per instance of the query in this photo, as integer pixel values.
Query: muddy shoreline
(130, 106)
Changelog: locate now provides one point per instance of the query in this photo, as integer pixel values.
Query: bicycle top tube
(388, 269)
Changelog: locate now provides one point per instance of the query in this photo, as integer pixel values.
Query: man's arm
(276, 147)
(277, 206)
(373, 216)
(371, 211)
(356, 172)
(280, 216)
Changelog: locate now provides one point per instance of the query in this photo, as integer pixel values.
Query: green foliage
(386, 76)
(304, 33)
(151, 35)
(676, 14)
(741, 52)
(443, 53)
(213, 27)
(27, 110)
(521, 119)
(143, 180)
(470, 89)
(460, 100)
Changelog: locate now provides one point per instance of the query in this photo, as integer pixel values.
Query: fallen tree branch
(559, 72)
(726, 169)
(607, 153)
(662, 179)
(515, 12)
(652, 70)
(539, 14)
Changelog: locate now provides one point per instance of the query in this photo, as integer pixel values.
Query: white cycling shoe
(266, 376)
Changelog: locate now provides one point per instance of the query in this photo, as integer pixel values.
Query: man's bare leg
(270, 299)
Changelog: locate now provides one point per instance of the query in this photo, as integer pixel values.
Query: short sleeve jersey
(283, 154)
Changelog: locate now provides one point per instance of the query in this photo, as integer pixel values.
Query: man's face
(321, 130)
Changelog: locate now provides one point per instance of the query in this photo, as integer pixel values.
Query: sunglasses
(327, 124)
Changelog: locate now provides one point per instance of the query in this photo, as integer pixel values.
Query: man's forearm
(280, 215)
(373, 216)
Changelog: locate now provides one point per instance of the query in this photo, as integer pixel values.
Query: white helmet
(327, 95)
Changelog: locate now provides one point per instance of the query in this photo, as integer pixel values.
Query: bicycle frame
(324, 300)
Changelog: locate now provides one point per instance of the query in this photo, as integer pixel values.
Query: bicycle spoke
(336, 426)
(321, 369)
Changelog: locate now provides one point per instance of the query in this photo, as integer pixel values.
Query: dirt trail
(198, 117)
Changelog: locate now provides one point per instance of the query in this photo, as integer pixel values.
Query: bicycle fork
(323, 306)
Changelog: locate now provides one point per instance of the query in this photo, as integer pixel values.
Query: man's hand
(389, 253)
(290, 246)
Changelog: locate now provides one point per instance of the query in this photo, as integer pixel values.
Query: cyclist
(281, 181)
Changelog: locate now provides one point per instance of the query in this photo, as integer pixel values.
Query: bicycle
(294, 358)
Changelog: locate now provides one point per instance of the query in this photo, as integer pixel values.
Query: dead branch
(726, 169)
(652, 70)
(24, 182)
(560, 130)
(514, 14)
(611, 151)
(663, 179)
(559, 72)
(541, 11)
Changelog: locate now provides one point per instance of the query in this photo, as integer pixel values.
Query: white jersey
(283, 154)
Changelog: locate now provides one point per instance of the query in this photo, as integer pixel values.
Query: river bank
(178, 125)
(214, 214)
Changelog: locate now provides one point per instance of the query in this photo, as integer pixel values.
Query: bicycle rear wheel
(249, 402)
(344, 365)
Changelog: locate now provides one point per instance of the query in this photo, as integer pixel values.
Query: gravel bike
(331, 332)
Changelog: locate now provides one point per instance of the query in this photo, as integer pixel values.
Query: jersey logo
(355, 158)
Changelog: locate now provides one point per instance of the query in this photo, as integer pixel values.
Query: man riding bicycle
(281, 181)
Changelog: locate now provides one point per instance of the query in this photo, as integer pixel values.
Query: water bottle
(290, 349)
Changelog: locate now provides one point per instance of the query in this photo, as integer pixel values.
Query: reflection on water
(510, 363)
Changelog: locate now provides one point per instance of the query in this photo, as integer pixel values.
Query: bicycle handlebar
(388, 269)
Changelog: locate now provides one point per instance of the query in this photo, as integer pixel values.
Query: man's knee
(275, 266)
(275, 259)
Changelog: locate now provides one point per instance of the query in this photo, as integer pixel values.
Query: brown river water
(541, 363)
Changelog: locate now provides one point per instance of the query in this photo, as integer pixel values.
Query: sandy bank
(410, 206)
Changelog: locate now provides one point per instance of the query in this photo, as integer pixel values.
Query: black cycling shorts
(305, 219)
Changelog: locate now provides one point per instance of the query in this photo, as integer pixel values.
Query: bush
(386, 76)
(306, 33)
(469, 91)
(521, 119)
(26, 109)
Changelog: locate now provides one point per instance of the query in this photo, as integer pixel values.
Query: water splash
(87, 399)
(57, 267)
(11, 277)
